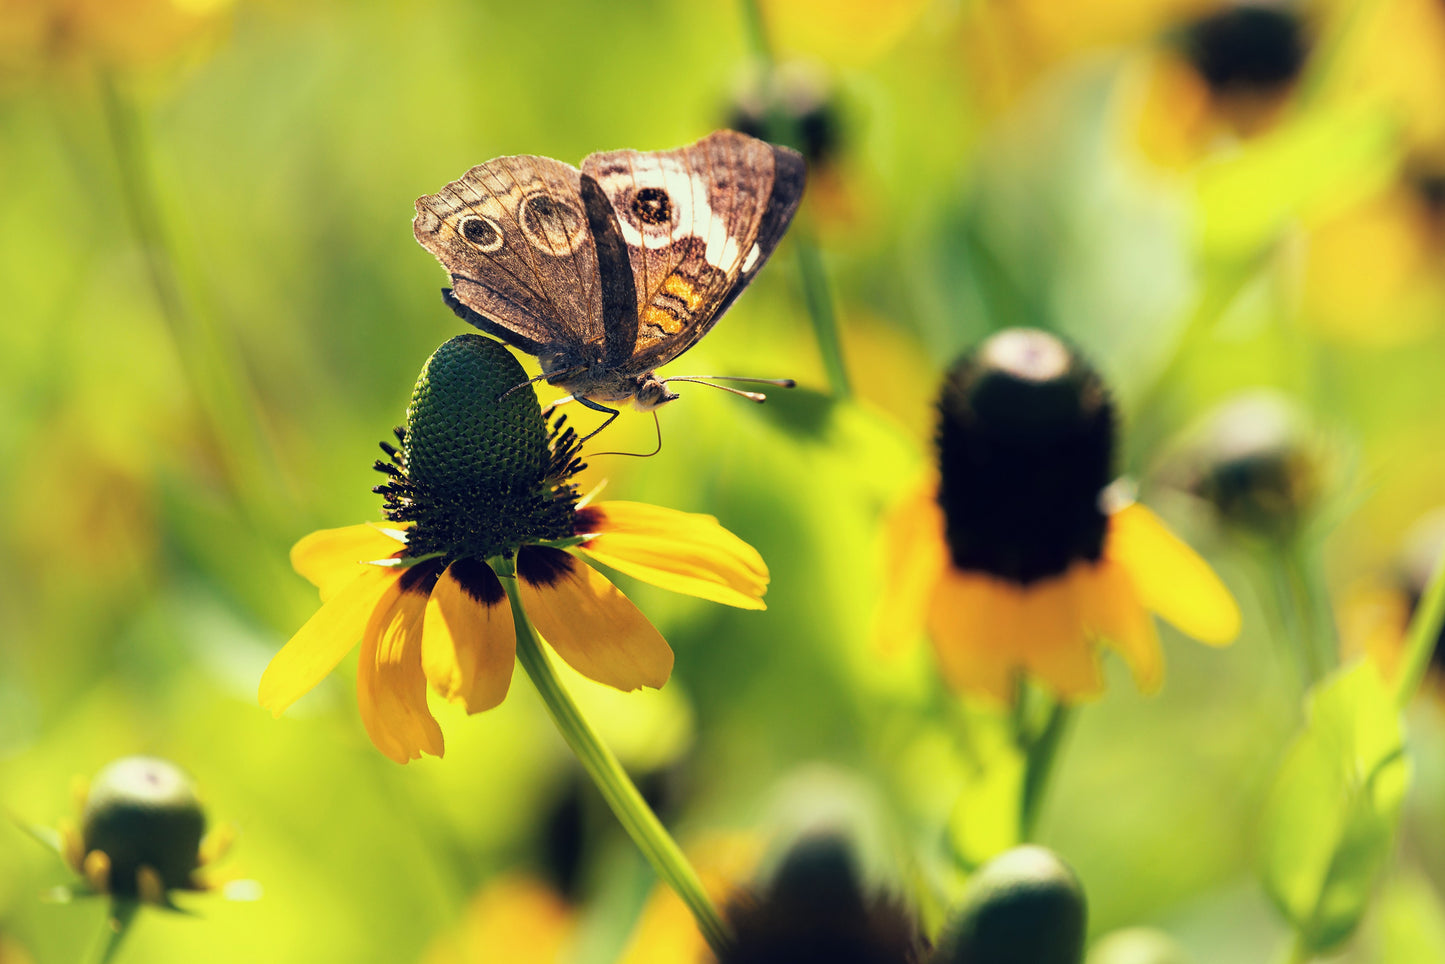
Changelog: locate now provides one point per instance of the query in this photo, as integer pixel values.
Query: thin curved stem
(1042, 754)
(117, 925)
(636, 817)
(817, 293)
(1422, 637)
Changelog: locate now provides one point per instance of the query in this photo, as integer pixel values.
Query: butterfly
(608, 272)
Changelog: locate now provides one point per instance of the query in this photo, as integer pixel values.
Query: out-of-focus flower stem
(636, 817)
(117, 925)
(218, 386)
(817, 294)
(1041, 755)
(1422, 636)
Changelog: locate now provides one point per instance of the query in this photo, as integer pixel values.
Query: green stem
(1043, 753)
(1296, 952)
(819, 298)
(1289, 620)
(1422, 637)
(117, 925)
(617, 788)
(757, 32)
(817, 294)
(209, 366)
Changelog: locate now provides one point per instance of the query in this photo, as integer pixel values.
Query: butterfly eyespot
(482, 232)
(553, 225)
(651, 205)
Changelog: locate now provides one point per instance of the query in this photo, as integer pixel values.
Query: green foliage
(1329, 825)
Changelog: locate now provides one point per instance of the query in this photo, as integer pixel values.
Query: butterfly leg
(596, 407)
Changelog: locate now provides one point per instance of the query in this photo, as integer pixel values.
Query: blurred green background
(214, 308)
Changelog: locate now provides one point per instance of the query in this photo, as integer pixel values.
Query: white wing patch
(692, 216)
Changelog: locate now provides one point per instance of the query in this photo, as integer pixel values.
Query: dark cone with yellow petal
(1255, 48)
(143, 812)
(478, 472)
(1025, 444)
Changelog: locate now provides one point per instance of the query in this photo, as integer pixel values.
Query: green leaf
(1331, 816)
(1247, 199)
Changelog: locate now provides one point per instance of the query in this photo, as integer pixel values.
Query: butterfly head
(651, 393)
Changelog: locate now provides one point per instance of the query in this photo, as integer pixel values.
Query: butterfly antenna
(751, 396)
(638, 455)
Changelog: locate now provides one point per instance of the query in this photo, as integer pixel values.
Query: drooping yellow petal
(327, 637)
(914, 557)
(589, 622)
(469, 643)
(684, 552)
(1053, 643)
(1170, 578)
(1112, 612)
(329, 558)
(971, 620)
(390, 685)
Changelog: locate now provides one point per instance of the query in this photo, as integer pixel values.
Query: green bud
(1255, 463)
(1137, 945)
(143, 811)
(1023, 907)
(464, 431)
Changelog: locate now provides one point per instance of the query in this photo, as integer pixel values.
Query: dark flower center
(815, 910)
(1250, 47)
(1025, 446)
(479, 472)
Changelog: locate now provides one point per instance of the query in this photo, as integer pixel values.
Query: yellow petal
(589, 622)
(681, 551)
(327, 637)
(390, 685)
(971, 620)
(149, 885)
(1112, 612)
(1170, 578)
(97, 871)
(329, 558)
(468, 643)
(1053, 642)
(516, 919)
(914, 556)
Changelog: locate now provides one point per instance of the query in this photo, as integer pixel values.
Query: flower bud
(815, 908)
(1023, 907)
(143, 815)
(1256, 466)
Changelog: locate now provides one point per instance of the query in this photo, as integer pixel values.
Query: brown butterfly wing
(514, 235)
(698, 223)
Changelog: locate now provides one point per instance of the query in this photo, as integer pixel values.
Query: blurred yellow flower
(1226, 75)
(1022, 557)
(1375, 614)
(480, 492)
(515, 918)
(1008, 44)
(110, 33)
